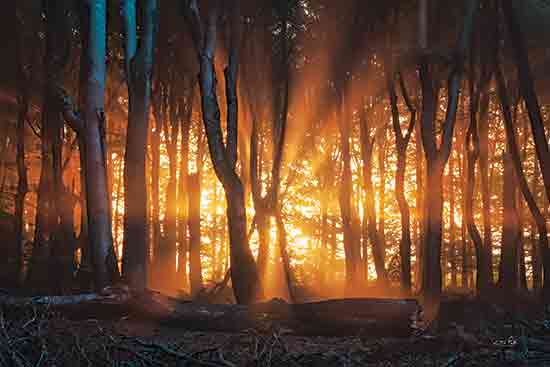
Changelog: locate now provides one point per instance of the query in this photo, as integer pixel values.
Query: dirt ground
(466, 333)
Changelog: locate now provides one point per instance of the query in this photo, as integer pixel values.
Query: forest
(275, 183)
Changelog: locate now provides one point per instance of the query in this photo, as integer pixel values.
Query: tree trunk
(171, 132)
(508, 277)
(536, 256)
(244, 274)
(345, 200)
(452, 227)
(23, 84)
(401, 145)
(139, 68)
(194, 222)
(382, 146)
(367, 145)
(47, 236)
(528, 92)
(513, 150)
(91, 131)
(183, 195)
(472, 155)
(156, 236)
(419, 204)
(437, 157)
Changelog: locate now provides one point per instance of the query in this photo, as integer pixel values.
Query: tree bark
(351, 245)
(540, 221)
(528, 92)
(402, 143)
(156, 236)
(472, 148)
(23, 84)
(437, 157)
(47, 229)
(139, 69)
(194, 222)
(183, 195)
(367, 145)
(171, 132)
(244, 274)
(508, 275)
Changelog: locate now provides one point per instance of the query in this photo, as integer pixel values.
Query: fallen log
(339, 317)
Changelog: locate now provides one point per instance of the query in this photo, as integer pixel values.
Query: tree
(402, 142)
(23, 101)
(47, 242)
(527, 90)
(508, 274)
(139, 69)
(244, 274)
(437, 157)
(90, 126)
(513, 150)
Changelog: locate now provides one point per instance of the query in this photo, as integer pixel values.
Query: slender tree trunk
(485, 187)
(513, 149)
(401, 145)
(183, 195)
(536, 256)
(244, 274)
(419, 204)
(283, 252)
(472, 153)
(139, 68)
(91, 130)
(382, 146)
(345, 201)
(437, 157)
(463, 226)
(156, 236)
(508, 277)
(23, 84)
(194, 222)
(47, 236)
(452, 228)
(367, 145)
(528, 92)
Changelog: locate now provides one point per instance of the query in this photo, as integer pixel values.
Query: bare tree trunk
(91, 130)
(23, 84)
(402, 143)
(345, 200)
(452, 227)
(367, 145)
(194, 222)
(463, 226)
(508, 277)
(139, 69)
(437, 157)
(472, 148)
(183, 195)
(47, 234)
(521, 179)
(244, 274)
(382, 146)
(160, 113)
(419, 204)
(527, 90)
(536, 256)
(283, 251)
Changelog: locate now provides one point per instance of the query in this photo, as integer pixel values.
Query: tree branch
(71, 116)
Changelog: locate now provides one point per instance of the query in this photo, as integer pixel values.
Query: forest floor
(466, 333)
